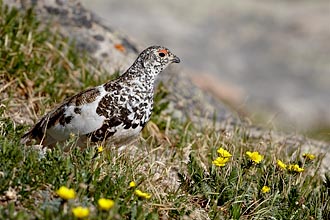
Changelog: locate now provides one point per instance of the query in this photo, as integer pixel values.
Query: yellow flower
(223, 152)
(220, 161)
(281, 164)
(66, 193)
(99, 149)
(141, 194)
(132, 184)
(296, 168)
(309, 156)
(255, 156)
(265, 189)
(80, 212)
(105, 204)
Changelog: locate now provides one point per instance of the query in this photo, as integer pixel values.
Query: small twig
(7, 85)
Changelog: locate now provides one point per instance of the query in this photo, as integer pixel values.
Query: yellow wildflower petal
(66, 193)
(141, 194)
(105, 204)
(281, 164)
(99, 149)
(80, 212)
(309, 156)
(220, 161)
(265, 189)
(255, 156)
(295, 168)
(223, 152)
(132, 184)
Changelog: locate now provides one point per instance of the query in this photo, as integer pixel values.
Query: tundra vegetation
(176, 170)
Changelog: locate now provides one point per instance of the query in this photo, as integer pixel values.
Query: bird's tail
(37, 133)
(26, 138)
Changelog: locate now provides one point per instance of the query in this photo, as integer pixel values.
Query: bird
(115, 111)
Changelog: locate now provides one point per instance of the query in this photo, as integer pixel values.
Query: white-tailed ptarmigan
(115, 111)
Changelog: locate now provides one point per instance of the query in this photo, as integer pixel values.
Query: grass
(172, 161)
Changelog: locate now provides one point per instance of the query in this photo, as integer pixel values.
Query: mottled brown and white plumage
(115, 111)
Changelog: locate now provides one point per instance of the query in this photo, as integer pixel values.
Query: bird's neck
(140, 76)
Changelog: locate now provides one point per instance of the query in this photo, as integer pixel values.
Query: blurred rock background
(269, 59)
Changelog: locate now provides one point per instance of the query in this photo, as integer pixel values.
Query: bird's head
(157, 58)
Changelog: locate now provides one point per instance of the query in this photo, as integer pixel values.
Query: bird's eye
(161, 54)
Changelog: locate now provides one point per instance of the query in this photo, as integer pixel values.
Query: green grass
(172, 161)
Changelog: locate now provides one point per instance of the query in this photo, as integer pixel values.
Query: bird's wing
(58, 115)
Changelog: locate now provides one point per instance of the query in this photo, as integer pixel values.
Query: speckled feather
(115, 112)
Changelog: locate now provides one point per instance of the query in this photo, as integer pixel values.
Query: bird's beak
(175, 59)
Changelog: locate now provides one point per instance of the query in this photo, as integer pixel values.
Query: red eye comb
(163, 51)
